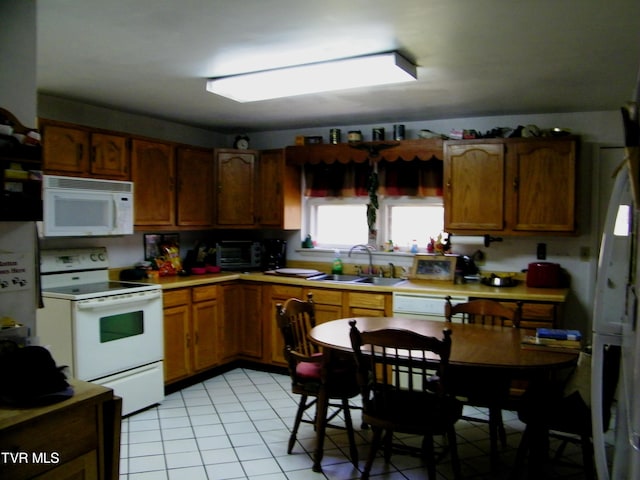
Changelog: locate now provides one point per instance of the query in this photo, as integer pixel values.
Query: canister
(398, 132)
(354, 136)
(377, 134)
(335, 136)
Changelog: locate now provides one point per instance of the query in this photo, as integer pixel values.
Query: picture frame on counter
(441, 268)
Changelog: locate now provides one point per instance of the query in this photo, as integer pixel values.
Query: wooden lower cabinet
(361, 304)
(536, 314)
(328, 304)
(251, 321)
(177, 334)
(191, 331)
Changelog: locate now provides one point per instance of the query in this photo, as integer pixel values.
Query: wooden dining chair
(323, 381)
(404, 389)
(552, 411)
(487, 391)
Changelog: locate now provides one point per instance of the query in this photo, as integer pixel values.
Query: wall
(18, 95)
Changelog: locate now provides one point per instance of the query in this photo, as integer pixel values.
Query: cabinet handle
(516, 183)
(79, 151)
(197, 339)
(449, 184)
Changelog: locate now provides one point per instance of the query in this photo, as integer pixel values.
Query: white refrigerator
(615, 318)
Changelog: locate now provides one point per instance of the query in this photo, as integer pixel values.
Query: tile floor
(236, 426)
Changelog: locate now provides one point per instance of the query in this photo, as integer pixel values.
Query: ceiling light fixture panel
(370, 70)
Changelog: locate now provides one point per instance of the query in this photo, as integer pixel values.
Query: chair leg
(302, 406)
(521, 455)
(427, 453)
(453, 450)
(321, 426)
(587, 457)
(353, 450)
(373, 450)
(494, 428)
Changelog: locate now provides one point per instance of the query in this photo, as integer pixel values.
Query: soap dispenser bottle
(337, 264)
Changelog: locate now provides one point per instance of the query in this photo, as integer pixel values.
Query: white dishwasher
(422, 306)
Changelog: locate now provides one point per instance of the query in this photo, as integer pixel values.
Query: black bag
(29, 377)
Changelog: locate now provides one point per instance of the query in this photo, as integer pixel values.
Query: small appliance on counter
(239, 255)
(544, 275)
(274, 254)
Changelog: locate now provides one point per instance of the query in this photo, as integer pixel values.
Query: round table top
(472, 344)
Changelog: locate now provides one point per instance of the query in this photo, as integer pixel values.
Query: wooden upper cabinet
(279, 192)
(109, 156)
(513, 186)
(65, 150)
(235, 173)
(543, 185)
(195, 186)
(473, 186)
(153, 173)
(80, 152)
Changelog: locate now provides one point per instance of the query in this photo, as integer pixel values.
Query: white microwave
(81, 207)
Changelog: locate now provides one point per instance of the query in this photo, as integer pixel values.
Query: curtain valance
(411, 178)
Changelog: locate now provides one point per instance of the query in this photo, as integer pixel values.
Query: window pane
(341, 224)
(408, 223)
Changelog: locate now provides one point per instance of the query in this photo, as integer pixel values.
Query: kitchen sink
(381, 281)
(333, 277)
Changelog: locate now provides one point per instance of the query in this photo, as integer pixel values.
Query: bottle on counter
(337, 266)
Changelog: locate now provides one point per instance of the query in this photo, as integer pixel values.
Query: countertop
(475, 289)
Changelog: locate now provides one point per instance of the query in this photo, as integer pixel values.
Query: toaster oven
(239, 255)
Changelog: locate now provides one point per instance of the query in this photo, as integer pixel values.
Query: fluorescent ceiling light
(366, 71)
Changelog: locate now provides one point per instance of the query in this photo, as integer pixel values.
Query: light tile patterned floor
(236, 426)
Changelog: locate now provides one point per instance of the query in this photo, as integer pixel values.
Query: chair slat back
(401, 360)
(295, 319)
(485, 312)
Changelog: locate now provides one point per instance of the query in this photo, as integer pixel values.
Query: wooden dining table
(494, 352)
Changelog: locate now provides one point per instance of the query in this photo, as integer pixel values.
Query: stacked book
(554, 339)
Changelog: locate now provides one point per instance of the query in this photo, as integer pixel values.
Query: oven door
(116, 333)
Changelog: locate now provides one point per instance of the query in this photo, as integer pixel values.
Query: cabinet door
(109, 156)
(231, 314)
(474, 187)
(153, 172)
(543, 185)
(368, 304)
(328, 304)
(279, 192)
(65, 150)
(205, 334)
(195, 187)
(235, 197)
(270, 188)
(177, 343)
(251, 321)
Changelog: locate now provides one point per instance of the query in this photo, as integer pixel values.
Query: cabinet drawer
(374, 301)
(207, 292)
(535, 311)
(286, 291)
(327, 297)
(171, 298)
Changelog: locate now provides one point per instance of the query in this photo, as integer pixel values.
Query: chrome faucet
(367, 249)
